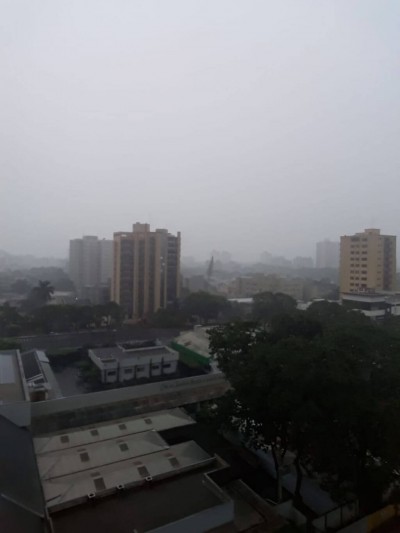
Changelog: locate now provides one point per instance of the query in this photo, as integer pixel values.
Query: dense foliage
(35, 316)
(321, 387)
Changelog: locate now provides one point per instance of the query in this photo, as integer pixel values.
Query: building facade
(90, 266)
(327, 254)
(146, 271)
(375, 306)
(127, 361)
(367, 262)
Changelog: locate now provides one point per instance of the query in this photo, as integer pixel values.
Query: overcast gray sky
(248, 125)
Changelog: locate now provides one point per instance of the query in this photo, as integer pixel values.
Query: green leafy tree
(204, 305)
(6, 344)
(10, 320)
(325, 392)
(168, 318)
(268, 305)
(40, 295)
(21, 286)
(114, 314)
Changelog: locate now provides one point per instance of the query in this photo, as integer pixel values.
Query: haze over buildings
(327, 254)
(90, 265)
(247, 126)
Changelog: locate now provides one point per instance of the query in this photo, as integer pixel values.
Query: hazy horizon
(247, 126)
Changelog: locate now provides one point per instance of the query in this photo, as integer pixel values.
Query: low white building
(373, 305)
(134, 360)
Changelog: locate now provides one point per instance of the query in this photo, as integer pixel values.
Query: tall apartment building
(90, 266)
(367, 262)
(328, 254)
(146, 273)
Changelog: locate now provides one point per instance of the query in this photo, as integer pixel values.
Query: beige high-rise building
(367, 262)
(146, 271)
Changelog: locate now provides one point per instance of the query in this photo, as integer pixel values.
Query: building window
(122, 427)
(128, 370)
(123, 447)
(64, 439)
(140, 368)
(99, 484)
(143, 471)
(84, 457)
(94, 432)
(111, 373)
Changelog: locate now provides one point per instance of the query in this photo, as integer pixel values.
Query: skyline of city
(199, 294)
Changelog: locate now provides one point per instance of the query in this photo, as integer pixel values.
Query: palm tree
(40, 294)
(44, 291)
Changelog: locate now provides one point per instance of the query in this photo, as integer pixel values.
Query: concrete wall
(200, 522)
(64, 413)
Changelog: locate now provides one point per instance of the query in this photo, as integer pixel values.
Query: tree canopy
(40, 295)
(204, 305)
(267, 305)
(323, 385)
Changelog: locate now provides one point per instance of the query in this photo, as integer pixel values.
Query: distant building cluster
(297, 288)
(282, 262)
(245, 286)
(139, 270)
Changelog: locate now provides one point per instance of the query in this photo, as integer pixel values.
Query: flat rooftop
(197, 340)
(100, 458)
(124, 354)
(11, 387)
(82, 435)
(140, 510)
